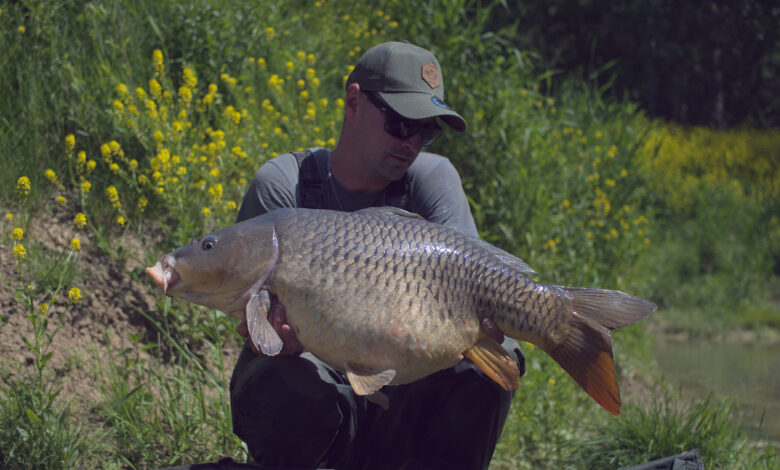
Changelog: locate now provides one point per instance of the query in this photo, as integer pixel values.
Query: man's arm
(437, 194)
(273, 187)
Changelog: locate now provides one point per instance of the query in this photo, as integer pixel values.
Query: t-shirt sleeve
(437, 194)
(273, 187)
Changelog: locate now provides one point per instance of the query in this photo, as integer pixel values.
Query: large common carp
(388, 298)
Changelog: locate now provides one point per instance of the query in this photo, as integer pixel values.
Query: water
(749, 374)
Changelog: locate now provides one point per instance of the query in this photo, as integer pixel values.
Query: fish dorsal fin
(261, 332)
(508, 258)
(394, 211)
(495, 362)
(365, 381)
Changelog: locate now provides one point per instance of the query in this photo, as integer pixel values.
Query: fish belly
(357, 324)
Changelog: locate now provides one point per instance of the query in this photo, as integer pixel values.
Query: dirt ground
(113, 293)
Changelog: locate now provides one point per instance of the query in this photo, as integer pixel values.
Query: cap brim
(415, 105)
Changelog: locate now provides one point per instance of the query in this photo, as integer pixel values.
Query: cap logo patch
(430, 73)
(439, 102)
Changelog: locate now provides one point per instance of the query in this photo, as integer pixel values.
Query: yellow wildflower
(133, 163)
(113, 196)
(70, 143)
(154, 88)
(121, 221)
(80, 221)
(9, 217)
(91, 165)
(157, 60)
(74, 294)
(185, 94)
(75, 244)
(189, 78)
(17, 234)
(19, 252)
(216, 191)
(140, 93)
(51, 175)
(551, 382)
(142, 202)
(206, 211)
(118, 106)
(261, 63)
(21, 29)
(60, 200)
(269, 32)
(43, 308)
(86, 186)
(121, 89)
(115, 147)
(23, 186)
(113, 167)
(81, 157)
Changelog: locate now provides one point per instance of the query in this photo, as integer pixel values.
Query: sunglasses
(402, 128)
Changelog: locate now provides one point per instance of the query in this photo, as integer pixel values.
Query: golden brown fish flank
(389, 298)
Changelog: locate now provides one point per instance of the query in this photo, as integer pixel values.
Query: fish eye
(208, 243)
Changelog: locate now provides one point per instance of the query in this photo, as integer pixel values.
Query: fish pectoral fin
(365, 382)
(261, 332)
(495, 362)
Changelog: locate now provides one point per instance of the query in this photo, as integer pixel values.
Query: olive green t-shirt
(435, 190)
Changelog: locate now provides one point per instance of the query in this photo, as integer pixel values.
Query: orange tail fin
(586, 353)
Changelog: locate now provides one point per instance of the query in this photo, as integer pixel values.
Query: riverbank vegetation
(134, 126)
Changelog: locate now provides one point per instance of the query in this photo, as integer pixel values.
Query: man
(295, 411)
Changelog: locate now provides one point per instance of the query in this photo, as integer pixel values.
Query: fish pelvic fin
(493, 360)
(261, 332)
(586, 351)
(366, 382)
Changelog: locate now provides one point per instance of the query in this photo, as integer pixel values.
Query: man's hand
(493, 330)
(278, 319)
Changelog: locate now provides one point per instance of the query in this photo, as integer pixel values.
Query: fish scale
(389, 298)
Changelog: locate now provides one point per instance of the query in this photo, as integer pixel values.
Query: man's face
(386, 157)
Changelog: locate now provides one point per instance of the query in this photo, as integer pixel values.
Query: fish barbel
(388, 298)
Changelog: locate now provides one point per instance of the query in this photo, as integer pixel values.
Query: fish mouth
(164, 273)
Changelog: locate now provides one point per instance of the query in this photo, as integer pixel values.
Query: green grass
(559, 176)
(662, 426)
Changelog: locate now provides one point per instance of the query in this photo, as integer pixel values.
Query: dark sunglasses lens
(405, 128)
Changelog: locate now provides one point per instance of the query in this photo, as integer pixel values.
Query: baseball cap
(409, 80)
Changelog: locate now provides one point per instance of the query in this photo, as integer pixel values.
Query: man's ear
(351, 100)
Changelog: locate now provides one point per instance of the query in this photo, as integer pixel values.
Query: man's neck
(350, 174)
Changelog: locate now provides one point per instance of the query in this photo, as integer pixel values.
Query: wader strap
(313, 190)
(312, 193)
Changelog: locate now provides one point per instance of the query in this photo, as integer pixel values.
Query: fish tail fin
(586, 352)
